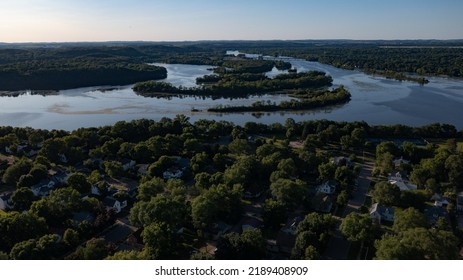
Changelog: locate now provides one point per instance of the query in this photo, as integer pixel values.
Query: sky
(191, 20)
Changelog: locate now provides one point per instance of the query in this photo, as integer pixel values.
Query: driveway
(338, 247)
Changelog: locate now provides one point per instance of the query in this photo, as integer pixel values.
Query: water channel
(375, 100)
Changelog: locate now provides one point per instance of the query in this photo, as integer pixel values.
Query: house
(328, 187)
(43, 188)
(399, 179)
(381, 213)
(400, 161)
(172, 173)
(398, 176)
(433, 214)
(26, 149)
(287, 235)
(341, 161)
(59, 176)
(119, 232)
(460, 202)
(5, 201)
(322, 202)
(143, 169)
(95, 190)
(116, 204)
(439, 200)
(291, 225)
(128, 164)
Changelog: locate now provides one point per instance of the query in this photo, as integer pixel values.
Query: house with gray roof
(381, 213)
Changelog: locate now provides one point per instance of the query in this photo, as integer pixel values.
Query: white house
(328, 187)
(5, 201)
(381, 213)
(401, 182)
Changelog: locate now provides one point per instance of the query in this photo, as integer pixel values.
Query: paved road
(338, 247)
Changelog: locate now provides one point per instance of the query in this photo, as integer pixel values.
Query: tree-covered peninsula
(73, 73)
(303, 100)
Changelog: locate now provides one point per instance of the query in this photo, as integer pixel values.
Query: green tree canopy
(22, 199)
(357, 227)
(386, 194)
(416, 244)
(408, 219)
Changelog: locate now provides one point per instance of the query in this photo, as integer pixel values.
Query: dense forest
(169, 189)
(66, 74)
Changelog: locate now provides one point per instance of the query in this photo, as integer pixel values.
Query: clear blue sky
(178, 20)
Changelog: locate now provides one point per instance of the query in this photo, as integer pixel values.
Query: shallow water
(375, 100)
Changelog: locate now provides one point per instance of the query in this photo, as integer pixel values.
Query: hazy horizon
(40, 21)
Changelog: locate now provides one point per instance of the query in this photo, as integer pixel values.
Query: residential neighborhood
(183, 192)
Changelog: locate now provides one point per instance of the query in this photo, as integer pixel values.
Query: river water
(375, 100)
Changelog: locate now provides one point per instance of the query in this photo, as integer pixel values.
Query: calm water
(374, 99)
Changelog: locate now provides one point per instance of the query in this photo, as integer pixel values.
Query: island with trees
(172, 189)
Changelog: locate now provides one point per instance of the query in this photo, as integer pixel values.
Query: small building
(43, 188)
(172, 173)
(439, 200)
(381, 213)
(328, 187)
(115, 204)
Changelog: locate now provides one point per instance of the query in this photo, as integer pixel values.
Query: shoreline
(17, 93)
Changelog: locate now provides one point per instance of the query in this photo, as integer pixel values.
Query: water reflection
(374, 99)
